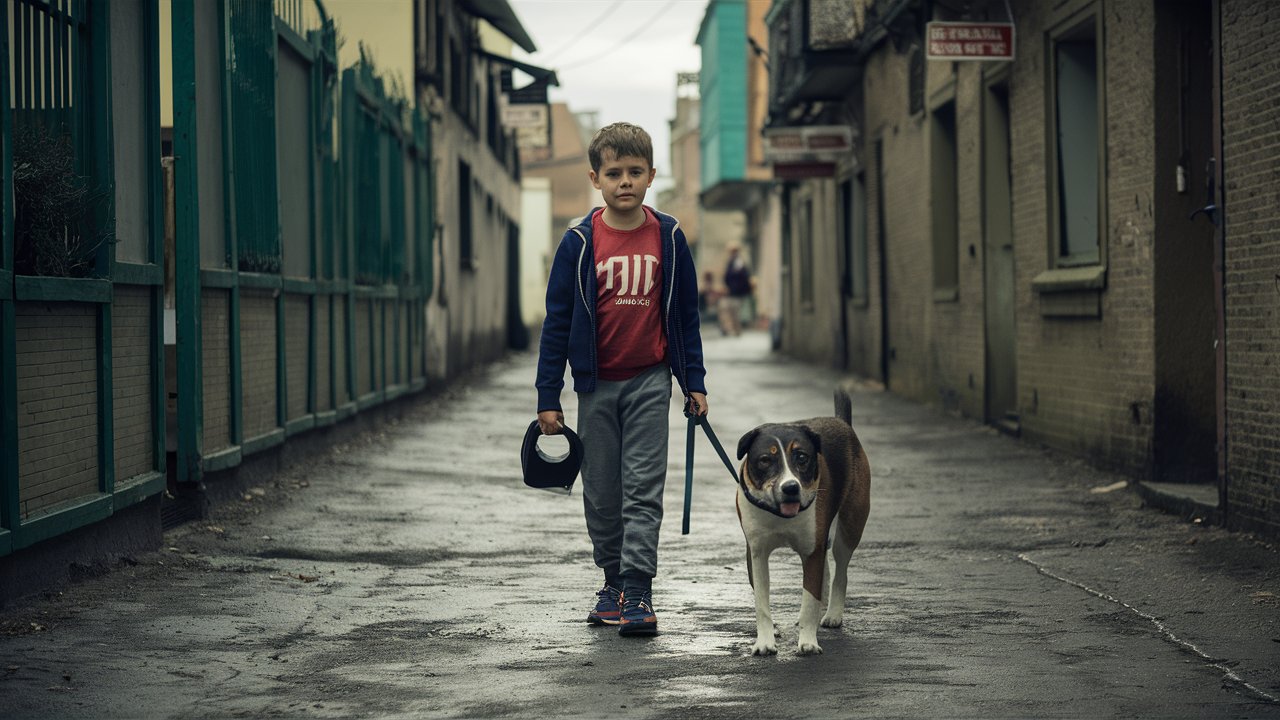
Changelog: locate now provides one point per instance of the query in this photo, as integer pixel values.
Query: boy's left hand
(700, 406)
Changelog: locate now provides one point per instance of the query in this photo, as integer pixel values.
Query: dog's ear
(745, 443)
(813, 438)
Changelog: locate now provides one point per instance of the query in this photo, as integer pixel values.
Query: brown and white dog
(805, 485)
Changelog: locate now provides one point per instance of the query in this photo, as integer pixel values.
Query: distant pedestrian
(737, 283)
(622, 309)
(708, 298)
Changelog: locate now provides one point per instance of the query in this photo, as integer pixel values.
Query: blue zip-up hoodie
(569, 332)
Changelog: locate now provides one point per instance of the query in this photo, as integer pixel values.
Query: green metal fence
(81, 399)
(313, 202)
(324, 314)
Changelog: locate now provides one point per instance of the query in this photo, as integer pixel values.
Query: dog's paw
(832, 620)
(809, 648)
(764, 647)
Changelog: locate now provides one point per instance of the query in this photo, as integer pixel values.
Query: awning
(539, 74)
(501, 16)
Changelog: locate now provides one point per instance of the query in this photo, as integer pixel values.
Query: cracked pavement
(409, 573)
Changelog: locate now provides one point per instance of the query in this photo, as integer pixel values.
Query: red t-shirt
(629, 336)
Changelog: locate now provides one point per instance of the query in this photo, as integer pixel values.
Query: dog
(805, 485)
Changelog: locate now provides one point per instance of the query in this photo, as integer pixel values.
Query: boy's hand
(550, 422)
(700, 406)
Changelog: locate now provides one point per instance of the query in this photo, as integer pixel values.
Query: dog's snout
(791, 488)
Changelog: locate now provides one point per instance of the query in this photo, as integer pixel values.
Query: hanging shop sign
(524, 116)
(809, 151)
(969, 41)
(811, 143)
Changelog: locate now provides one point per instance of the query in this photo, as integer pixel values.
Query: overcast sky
(619, 57)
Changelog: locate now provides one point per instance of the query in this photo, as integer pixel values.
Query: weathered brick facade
(297, 335)
(57, 403)
(215, 380)
(258, 362)
(1086, 384)
(131, 370)
(1112, 349)
(323, 361)
(1251, 154)
(362, 359)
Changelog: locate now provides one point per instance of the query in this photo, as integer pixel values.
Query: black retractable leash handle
(695, 420)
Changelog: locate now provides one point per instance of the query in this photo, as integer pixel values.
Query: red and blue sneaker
(638, 617)
(608, 609)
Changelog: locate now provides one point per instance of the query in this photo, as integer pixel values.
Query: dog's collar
(742, 482)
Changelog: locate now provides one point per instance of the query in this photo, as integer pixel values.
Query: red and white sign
(807, 144)
(969, 41)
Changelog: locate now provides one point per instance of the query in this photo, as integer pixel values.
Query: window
(805, 233)
(1077, 180)
(466, 252)
(945, 206)
(853, 227)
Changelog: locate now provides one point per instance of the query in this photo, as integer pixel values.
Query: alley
(410, 573)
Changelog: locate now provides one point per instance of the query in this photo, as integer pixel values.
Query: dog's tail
(844, 406)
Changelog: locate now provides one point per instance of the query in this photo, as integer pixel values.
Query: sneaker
(608, 607)
(638, 617)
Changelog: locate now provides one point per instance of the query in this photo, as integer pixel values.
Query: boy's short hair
(624, 139)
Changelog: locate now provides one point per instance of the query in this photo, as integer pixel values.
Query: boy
(622, 308)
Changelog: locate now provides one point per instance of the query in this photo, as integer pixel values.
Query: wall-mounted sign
(803, 170)
(969, 41)
(524, 116)
(808, 144)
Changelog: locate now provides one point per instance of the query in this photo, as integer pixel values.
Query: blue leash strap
(688, 475)
(688, 461)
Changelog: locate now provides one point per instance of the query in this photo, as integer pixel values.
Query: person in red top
(622, 309)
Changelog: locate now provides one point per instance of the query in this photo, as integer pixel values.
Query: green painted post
(350, 137)
(100, 139)
(9, 518)
(155, 250)
(187, 245)
(313, 130)
(235, 389)
(271, 142)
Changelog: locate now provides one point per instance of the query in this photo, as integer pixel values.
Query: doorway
(1001, 384)
(886, 348)
(1185, 402)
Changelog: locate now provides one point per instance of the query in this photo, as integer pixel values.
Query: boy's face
(623, 181)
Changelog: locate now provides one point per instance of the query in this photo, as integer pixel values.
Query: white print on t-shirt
(628, 270)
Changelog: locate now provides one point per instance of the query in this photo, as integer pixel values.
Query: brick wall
(362, 358)
(958, 341)
(57, 351)
(131, 382)
(297, 311)
(1251, 153)
(1085, 384)
(215, 338)
(406, 347)
(341, 358)
(907, 257)
(323, 384)
(258, 361)
(813, 330)
(415, 347)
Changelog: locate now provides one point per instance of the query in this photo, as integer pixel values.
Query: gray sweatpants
(623, 426)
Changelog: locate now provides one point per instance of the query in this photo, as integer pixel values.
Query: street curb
(1185, 506)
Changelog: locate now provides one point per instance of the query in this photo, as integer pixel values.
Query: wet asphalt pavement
(409, 573)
